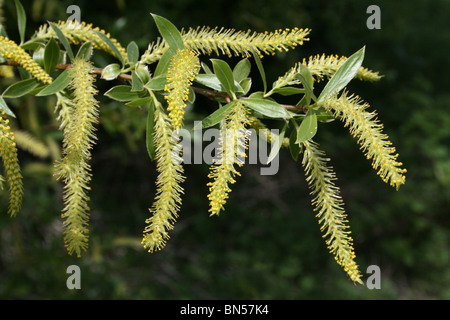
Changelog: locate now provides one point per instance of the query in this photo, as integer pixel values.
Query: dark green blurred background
(267, 244)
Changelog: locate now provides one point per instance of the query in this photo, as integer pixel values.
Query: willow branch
(211, 94)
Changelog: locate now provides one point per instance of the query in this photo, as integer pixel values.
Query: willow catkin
(74, 168)
(8, 152)
(233, 141)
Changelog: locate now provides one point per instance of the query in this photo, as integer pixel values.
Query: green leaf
(276, 146)
(136, 83)
(245, 86)
(157, 83)
(4, 107)
(132, 52)
(343, 75)
(267, 108)
(191, 95)
(261, 70)
(210, 81)
(307, 81)
(111, 71)
(206, 69)
(142, 73)
(122, 93)
(51, 56)
(38, 56)
(150, 128)
(3, 32)
(242, 70)
(63, 40)
(225, 75)
(21, 20)
(20, 88)
(163, 64)
(85, 51)
(138, 102)
(323, 115)
(30, 44)
(111, 45)
(307, 128)
(294, 147)
(218, 115)
(287, 91)
(169, 32)
(60, 83)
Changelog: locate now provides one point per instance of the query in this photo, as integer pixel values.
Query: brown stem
(211, 94)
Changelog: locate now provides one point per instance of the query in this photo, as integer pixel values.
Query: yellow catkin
(167, 202)
(366, 128)
(10, 50)
(8, 151)
(27, 142)
(74, 168)
(6, 71)
(183, 68)
(79, 33)
(329, 207)
(230, 42)
(324, 66)
(321, 67)
(233, 142)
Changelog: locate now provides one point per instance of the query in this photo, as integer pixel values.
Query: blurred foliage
(267, 245)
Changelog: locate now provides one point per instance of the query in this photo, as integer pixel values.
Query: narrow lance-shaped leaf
(122, 93)
(111, 45)
(307, 128)
(60, 83)
(85, 51)
(261, 70)
(308, 84)
(5, 108)
(163, 64)
(218, 115)
(343, 75)
(267, 108)
(276, 145)
(169, 32)
(63, 40)
(136, 82)
(132, 52)
(294, 147)
(241, 70)
(21, 20)
(20, 88)
(225, 76)
(51, 56)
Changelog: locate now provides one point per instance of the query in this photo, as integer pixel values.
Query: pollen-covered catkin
(167, 202)
(79, 32)
(230, 42)
(329, 207)
(10, 50)
(233, 142)
(183, 68)
(8, 152)
(74, 168)
(322, 67)
(367, 130)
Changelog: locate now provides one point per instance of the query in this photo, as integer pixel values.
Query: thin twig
(211, 94)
